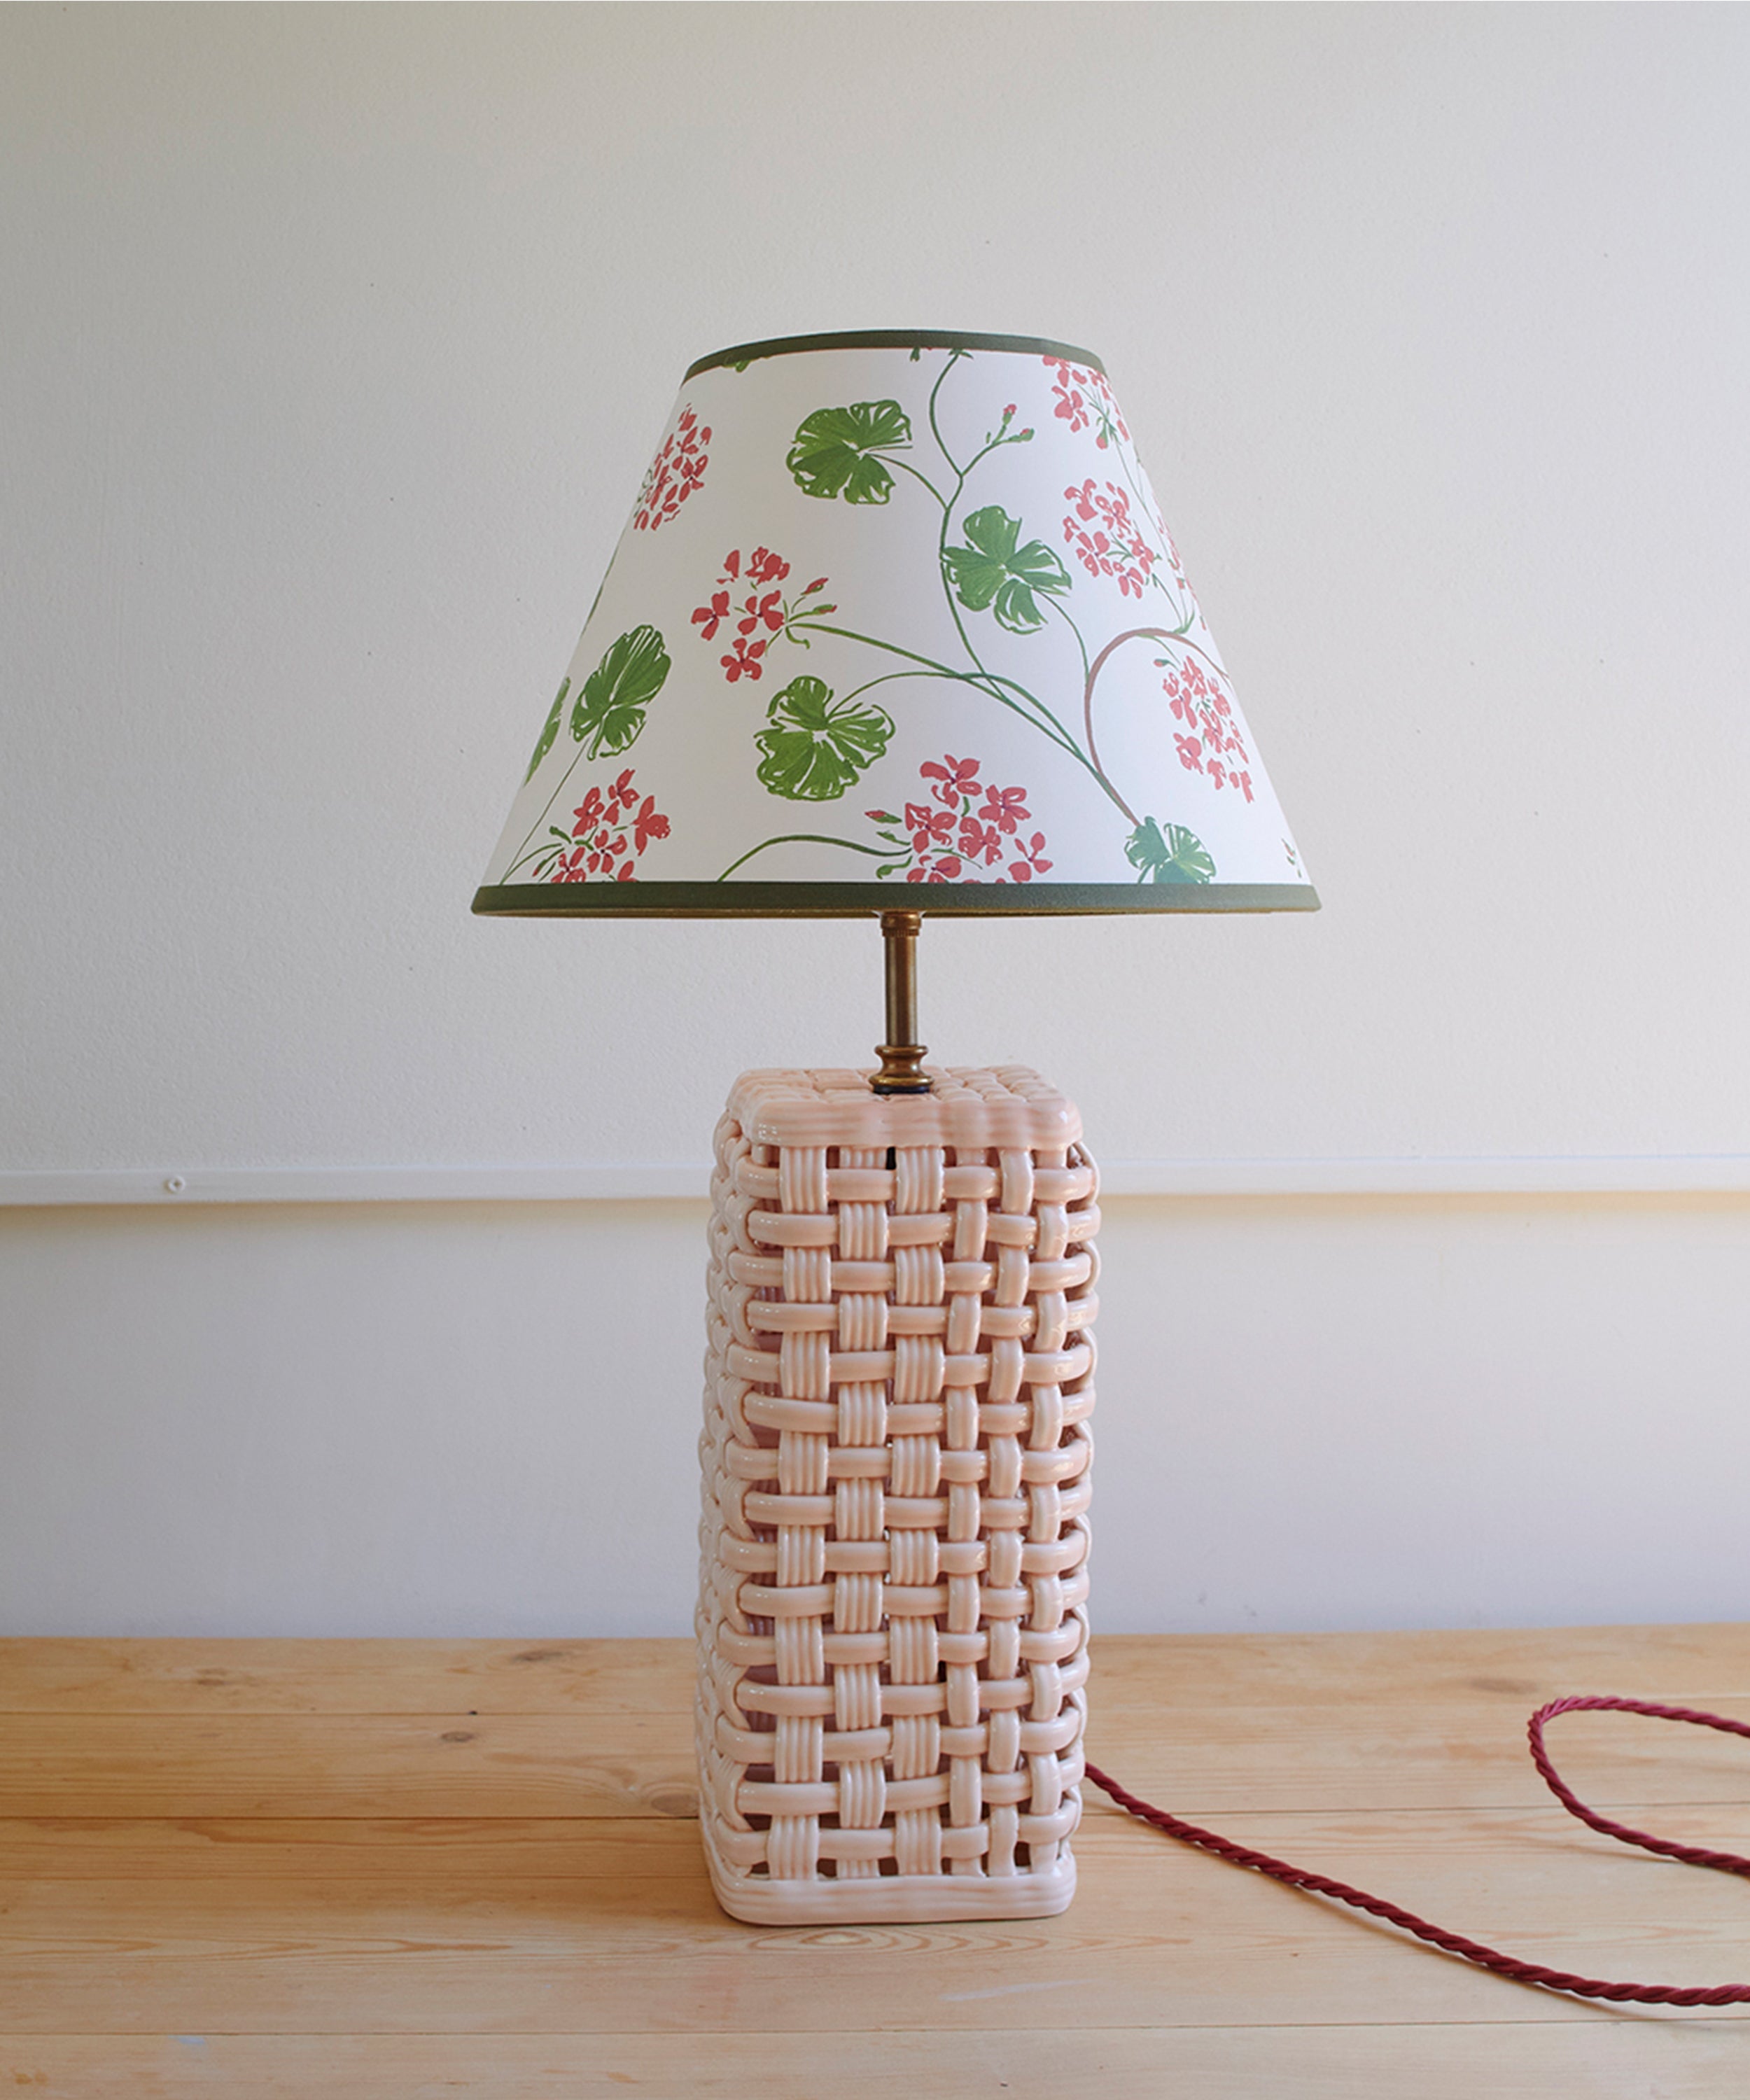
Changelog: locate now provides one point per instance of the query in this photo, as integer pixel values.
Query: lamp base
(892, 1637)
(893, 1900)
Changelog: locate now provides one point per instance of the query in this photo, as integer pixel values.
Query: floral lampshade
(895, 620)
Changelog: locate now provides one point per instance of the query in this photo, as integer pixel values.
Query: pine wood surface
(404, 1868)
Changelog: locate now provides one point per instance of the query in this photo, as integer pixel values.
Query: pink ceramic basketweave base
(892, 1639)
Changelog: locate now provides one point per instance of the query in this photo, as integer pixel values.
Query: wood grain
(647, 1677)
(460, 1676)
(374, 1869)
(625, 1936)
(1669, 2060)
(1195, 1758)
(346, 1764)
(1665, 2060)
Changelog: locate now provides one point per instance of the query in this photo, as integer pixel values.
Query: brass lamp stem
(901, 1055)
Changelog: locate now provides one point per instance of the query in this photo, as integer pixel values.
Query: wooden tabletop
(374, 1870)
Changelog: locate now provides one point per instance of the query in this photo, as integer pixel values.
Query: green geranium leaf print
(814, 749)
(610, 709)
(1181, 856)
(993, 572)
(834, 452)
(549, 731)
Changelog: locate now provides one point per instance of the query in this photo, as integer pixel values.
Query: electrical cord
(1452, 1942)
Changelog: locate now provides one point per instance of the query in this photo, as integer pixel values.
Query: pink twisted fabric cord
(1471, 1950)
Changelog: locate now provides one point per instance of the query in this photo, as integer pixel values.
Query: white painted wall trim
(1593, 1174)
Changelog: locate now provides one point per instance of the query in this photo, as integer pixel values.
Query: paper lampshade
(896, 620)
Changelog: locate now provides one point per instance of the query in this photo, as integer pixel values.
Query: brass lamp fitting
(901, 1055)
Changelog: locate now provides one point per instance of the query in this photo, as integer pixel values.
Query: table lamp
(895, 627)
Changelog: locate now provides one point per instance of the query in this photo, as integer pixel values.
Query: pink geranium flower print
(766, 611)
(745, 658)
(954, 777)
(610, 829)
(1005, 807)
(764, 567)
(1210, 743)
(750, 592)
(980, 842)
(1032, 861)
(1106, 537)
(954, 835)
(650, 823)
(712, 615)
(928, 827)
(677, 470)
(1085, 398)
(1071, 408)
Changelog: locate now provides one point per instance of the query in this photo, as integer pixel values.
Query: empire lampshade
(896, 620)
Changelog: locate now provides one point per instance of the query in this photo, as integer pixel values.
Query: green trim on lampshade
(853, 900)
(741, 354)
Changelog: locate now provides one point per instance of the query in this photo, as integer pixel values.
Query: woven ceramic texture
(892, 1634)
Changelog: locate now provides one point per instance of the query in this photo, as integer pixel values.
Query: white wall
(334, 343)
(477, 1419)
